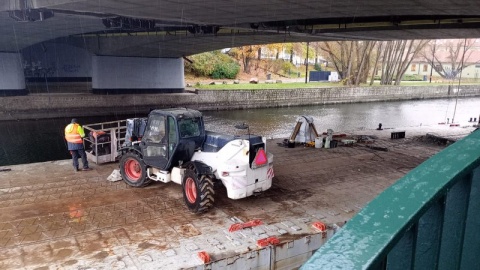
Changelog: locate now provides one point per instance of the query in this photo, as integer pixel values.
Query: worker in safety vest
(74, 134)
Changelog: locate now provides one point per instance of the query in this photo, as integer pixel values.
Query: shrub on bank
(214, 64)
(200, 65)
(288, 68)
(225, 70)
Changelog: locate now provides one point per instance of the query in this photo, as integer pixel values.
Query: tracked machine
(173, 145)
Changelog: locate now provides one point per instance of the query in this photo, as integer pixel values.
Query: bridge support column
(127, 75)
(12, 79)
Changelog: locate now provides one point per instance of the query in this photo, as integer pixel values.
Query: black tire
(198, 192)
(134, 170)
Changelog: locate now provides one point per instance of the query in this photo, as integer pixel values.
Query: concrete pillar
(126, 75)
(12, 80)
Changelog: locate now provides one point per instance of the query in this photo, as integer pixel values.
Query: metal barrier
(115, 130)
(429, 219)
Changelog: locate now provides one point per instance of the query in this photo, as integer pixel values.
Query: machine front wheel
(134, 170)
(198, 191)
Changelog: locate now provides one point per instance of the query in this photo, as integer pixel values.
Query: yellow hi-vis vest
(72, 134)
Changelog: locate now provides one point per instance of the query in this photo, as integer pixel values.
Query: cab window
(155, 131)
(172, 131)
(189, 127)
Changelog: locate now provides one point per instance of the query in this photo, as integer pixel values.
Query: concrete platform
(54, 218)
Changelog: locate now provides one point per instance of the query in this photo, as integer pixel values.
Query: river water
(30, 141)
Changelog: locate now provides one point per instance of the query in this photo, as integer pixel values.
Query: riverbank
(53, 105)
(53, 217)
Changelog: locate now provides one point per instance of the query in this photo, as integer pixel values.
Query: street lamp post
(460, 79)
(306, 66)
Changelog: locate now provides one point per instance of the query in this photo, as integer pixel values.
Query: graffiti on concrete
(69, 68)
(36, 69)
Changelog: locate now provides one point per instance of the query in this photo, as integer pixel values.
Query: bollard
(291, 144)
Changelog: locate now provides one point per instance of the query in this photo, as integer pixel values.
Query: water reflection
(28, 141)
(279, 122)
(42, 140)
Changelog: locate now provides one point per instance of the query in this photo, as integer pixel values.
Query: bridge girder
(174, 29)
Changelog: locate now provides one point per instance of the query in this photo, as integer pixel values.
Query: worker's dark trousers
(79, 153)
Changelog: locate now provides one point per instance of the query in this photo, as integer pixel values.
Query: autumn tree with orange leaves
(246, 54)
(251, 56)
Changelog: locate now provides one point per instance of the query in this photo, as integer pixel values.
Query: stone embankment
(37, 106)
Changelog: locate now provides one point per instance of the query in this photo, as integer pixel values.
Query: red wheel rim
(190, 190)
(133, 170)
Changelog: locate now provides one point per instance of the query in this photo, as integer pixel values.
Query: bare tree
(449, 57)
(375, 65)
(336, 54)
(397, 56)
(351, 59)
(298, 50)
(316, 49)
(363, 61)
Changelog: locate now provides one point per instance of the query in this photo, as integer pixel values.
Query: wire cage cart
(103, 140)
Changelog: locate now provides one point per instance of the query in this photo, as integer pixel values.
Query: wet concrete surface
(54, 218)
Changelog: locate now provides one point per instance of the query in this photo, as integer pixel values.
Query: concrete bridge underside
(165, 28)
(175, 29)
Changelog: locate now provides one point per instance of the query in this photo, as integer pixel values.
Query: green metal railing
(429, 219)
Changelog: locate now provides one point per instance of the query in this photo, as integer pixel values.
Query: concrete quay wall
(228, 99)
(38, 106)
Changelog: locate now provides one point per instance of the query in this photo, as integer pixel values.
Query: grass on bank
(294, 85)
(261, 85)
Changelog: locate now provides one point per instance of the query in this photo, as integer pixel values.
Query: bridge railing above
(429, 219)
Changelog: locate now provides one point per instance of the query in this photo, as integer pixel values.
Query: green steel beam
(471, 244)
(401, 256)
(366, 240)
(429, 236)
(456, 206)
